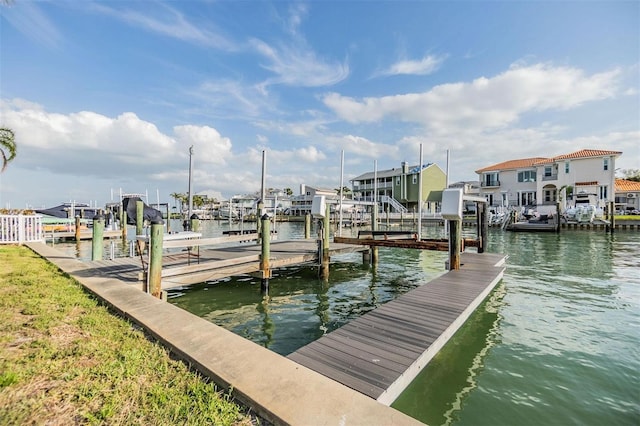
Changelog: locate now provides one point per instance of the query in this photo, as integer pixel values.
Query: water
(556, 343)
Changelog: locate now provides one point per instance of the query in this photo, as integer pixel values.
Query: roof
(396, 171)
(522, 163)
(583, 153)
(623, 185)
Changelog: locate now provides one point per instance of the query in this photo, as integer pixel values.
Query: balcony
(550, 177)
(490, 183)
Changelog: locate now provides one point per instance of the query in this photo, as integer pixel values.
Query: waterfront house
(627, 196)
(540, 182)
(397, 189)
(301, 204)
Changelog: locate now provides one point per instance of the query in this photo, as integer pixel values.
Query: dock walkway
(196, 266)
(380, 353)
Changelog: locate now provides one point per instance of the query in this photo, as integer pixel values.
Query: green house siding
(433, 182)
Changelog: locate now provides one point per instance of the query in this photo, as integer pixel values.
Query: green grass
(620, 218)
(65, 359)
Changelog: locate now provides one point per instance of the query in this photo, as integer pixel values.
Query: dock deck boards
(380, 353)
(195, 266)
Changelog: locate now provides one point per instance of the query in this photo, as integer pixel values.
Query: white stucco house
(539, 182)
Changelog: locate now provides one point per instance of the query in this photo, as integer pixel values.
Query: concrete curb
(275, 387)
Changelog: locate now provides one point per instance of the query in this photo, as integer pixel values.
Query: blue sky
(110, 95)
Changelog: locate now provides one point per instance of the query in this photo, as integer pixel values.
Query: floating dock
(380, 353)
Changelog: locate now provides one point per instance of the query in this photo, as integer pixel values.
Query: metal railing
(20, 229)
(394, 203)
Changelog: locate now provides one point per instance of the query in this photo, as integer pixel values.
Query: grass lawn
(65, 359)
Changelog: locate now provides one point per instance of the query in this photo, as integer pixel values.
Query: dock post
(123, 224)
(96, 241)
(557, 217)
(374, 227)
(264, 256)
(455, 233)
(195, 222)
(483, 224)
(155, 258)
(324, 270)
(258, 220)
(307, 226)
(139, 216)
(77, 228)
(613, 218)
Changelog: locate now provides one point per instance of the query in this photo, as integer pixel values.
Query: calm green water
(557, 342)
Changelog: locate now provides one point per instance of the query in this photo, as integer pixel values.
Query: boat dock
(380, 353)
(199, 264)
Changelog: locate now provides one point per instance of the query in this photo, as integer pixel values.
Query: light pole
(187, 221)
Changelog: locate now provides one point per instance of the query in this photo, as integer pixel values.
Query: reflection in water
(437, 393)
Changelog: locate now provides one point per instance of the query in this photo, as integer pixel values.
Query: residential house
(398, 188)
(301, 204)
(471, 188)
(541, 182)
(627, 195)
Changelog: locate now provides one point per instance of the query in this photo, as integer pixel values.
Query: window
(603, 192)
(527, 176)
(605, 164)
(548, 171)
(491, 179)
(549, 195)
(415, 179)
(397, 180)
(566, 167)
(528, 198)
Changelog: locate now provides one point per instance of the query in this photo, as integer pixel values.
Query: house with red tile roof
(627, 195)
(540, 182)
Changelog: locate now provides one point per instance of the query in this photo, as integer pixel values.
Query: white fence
(19, 229)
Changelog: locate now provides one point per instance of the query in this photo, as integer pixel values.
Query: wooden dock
(196, 266)
(380, 353)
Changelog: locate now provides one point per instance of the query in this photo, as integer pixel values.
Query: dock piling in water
(155, 258)
(98, 233)
(265, 268)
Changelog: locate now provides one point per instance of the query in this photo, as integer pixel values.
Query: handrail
(20, 229)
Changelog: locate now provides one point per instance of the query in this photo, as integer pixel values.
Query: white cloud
(296, 64)
(87, 143)
(484, 103)
(27, 18)
(209, 145)
(171, 24)
(427, 65)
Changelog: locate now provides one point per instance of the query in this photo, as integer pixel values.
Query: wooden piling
(455, 234)
(258, 220)
(265, 268)
(374, 227)
(77, 230)
(98, 234)
(557, 217)
(155, 258)
(307, 226)
(324, 269)
(139, 216)
(195, 222)
(123, 224)
(481, 211)
(613, 216)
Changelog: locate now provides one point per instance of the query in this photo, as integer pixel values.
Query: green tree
(7, 146)
(631, 174)
(346, 191)
(198, 201)
(288, 191)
